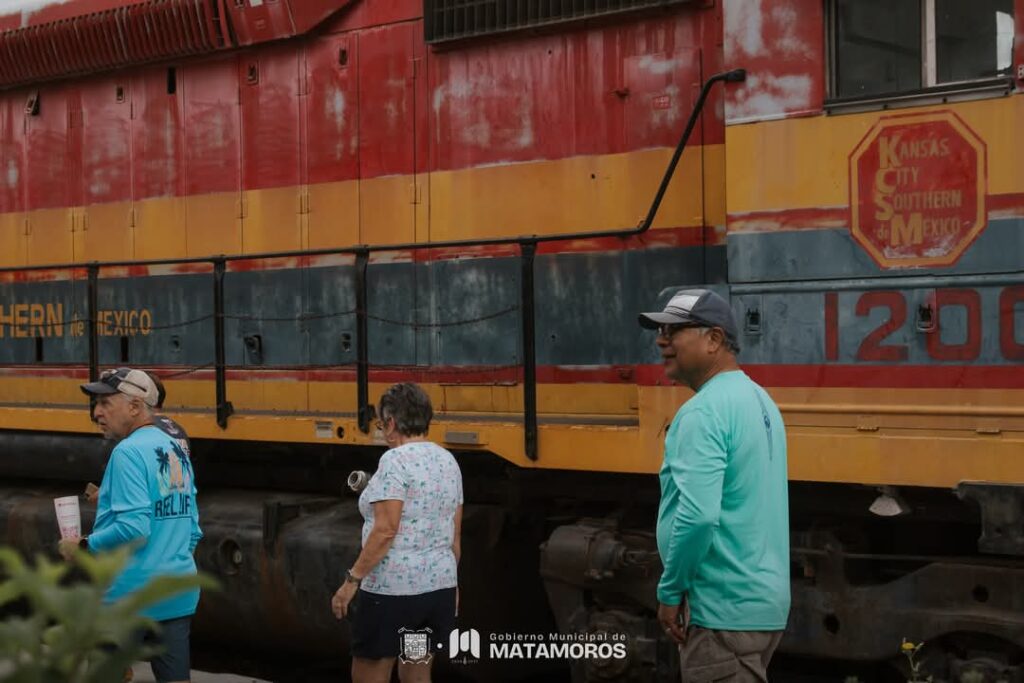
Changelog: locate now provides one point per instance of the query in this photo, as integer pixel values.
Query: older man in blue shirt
(147, 500)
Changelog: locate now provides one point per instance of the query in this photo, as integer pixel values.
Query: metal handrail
(527, 243)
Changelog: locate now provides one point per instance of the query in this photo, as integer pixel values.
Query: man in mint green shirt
(723, 522)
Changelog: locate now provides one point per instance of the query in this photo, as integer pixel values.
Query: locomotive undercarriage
(861, 584)
(279, 536)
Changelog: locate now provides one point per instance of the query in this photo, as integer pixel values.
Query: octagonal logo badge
(917, 190)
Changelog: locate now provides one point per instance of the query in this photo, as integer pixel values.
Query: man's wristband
(352, 578)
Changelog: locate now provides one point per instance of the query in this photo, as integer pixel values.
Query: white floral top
(426, 478)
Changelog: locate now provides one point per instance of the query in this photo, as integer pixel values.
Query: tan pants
(730, 656)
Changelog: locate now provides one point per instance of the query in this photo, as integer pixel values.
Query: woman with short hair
(406, 575)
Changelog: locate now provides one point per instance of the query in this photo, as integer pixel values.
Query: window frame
(930, 89)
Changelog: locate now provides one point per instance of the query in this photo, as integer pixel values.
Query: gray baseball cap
(699, 307)
(125, 381)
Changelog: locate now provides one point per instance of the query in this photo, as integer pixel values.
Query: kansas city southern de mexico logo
(917, 190)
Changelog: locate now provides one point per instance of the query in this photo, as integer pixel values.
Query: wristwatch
(83, 543)
(352, 578)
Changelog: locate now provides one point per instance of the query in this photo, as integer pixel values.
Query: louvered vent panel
(456, 19)
(149, 31)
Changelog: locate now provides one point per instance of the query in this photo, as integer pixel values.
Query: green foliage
(67, 634)
(910, 651)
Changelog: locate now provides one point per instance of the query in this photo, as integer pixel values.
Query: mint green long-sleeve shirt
(723, 522)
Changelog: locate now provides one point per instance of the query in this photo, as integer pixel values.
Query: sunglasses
(113, 379)
(669, 330)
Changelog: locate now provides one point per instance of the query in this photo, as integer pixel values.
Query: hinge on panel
(243, 206)
(415, 193)
(304, 200)
(867, 423)
(28, 226)
(988, 426)
(132, 217)
(414, 68)
(303, 85)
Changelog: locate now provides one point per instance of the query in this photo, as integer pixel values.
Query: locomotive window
(973, 39)
(455, 19)
(877, 46)
(881, 47)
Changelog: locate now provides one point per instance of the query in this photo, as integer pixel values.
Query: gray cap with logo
(125, 381)
(697, 307)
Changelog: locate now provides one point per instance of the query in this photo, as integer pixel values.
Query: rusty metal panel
(106, 179)
(270, 117)
(270, 148)
(212, 127)
(212, 158)
(505, 103)
(775, 42)
(12, 153)
(106, 140)
(157, 134)
(660, 96)
(386, 74)
(616, 86)
(47, 177)
(601, 91)
(332, 108)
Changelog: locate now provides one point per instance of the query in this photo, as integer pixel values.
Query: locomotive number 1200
(874, 349)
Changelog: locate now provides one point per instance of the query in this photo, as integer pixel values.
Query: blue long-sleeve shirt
(148, 499)
(723, 522)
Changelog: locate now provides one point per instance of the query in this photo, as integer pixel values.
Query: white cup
(69, 519)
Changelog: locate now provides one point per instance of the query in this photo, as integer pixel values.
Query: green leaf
(71, 635)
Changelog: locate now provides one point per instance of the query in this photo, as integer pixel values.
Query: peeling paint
(476, 134)
(743, 24)
(525, 138)
(471, 125)
(781, 46)
(334, 107)
(334, 111)
(767, 94)
(28, 7)
(789, 41)
(659, 66)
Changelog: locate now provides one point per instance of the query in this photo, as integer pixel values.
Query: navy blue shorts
(376, 620)
(174, 663)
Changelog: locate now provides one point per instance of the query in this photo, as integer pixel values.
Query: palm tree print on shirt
(174, 470)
